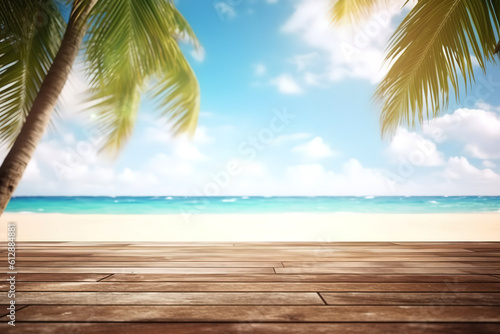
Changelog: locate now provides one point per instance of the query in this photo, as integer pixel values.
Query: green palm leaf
(177, 95)
(431, 53)
(31, 35)
(130, 44)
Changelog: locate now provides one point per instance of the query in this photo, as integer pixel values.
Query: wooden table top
(273, 287)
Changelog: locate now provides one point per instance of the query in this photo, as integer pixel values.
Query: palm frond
(177, 96)
(432, 52)
(30, 38)
(353, 11)
(130, 43)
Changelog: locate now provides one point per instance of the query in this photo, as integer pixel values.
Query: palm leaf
(130, 43)
(31, 35)
(352, 11)
(431, 53)
(177, 95)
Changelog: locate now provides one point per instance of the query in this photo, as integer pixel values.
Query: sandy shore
(256, 227)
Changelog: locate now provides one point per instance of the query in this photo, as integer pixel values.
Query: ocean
(253, 204)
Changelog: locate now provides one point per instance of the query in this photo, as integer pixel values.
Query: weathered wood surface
(281, 287)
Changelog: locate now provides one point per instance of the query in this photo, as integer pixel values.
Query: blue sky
(262, 60)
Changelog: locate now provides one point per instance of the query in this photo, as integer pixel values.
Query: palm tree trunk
(20, 154)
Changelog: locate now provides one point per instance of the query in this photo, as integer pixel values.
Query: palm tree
(128, 46)
(431, 52)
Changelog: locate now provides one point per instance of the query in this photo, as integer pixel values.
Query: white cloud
(156, 134)
(286, 84)
(225, 10)
(353, 179)
(348, 53)
(314, 149)
(486, 106)
(283, 139)
(71, 100)
(412, 147)
(253, 168)
(198, 53)
(313, 79)
(170, 166)
(127, 175)
(465, 179)
(259, 69)
(478, 130)
(179, 172)
(187, 151)
(182, 147)
(489, 164)
(460, 168)
(307, 175)
(303, 61)
(32, 172)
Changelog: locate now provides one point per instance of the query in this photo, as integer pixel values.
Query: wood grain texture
(166, 298)
(250, 328)
(252, 313)
(388, 270)
(51, 277)
(302, 278)
(284, 287)
(148, 270)
(443, 298)
(442, 287)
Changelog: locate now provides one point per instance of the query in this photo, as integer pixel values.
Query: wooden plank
(254, 264)
(257, 257)
(249, 327)
(302, 278)
(23, 259)
(387, 270)
(430, 283)
(465, 244)
(312, 243)
(490, 250)
(34, 261)
(407, 298)
(164, 264)
(166, 298)
(282, 250)
(52, 277)
(117, 313)
(4, 311)
(443, 287)
(147, 270)
(401, 264)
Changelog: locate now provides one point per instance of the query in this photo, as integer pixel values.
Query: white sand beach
(255, 227)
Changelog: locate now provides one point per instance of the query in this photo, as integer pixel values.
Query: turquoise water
(235, 204)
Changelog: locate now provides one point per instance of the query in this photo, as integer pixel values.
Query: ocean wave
(433, 202)
(229, 200)
(244, 197)
(369, 197)
(168, 197)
